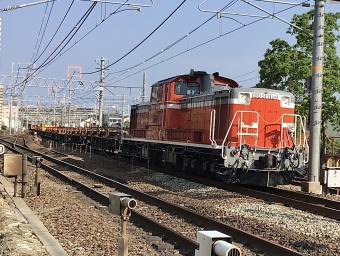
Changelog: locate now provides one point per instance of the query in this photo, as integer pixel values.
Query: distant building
(62, 116)
(14, 113)
(114, 120)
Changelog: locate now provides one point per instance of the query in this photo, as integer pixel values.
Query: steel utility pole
(101, 89)
(10, 115)
(313, 184)
(69, 107)
(144, 88)
(123, 115)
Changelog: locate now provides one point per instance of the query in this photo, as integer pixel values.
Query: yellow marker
(317, 67)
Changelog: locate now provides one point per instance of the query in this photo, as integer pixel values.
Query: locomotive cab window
(187, 88)
(219, 87)
(156, 93)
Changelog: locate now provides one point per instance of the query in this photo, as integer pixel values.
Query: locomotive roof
(196, 73)
(165, 80)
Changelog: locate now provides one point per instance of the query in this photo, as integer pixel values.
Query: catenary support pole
(123, 116)
(101, 89)
(313, 184)
(10, 116)
(144, 88)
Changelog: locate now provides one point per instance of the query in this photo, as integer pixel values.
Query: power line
(71, 34)
(62, 53)
(55, 33)
(204, 43)
(37, 41)
(36, 50)
(256, 70)
(76, 28)
(142, 40)
(171, 45)
(248, 79)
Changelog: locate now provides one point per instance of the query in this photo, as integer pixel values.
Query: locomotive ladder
(300, 124)
(212, 127)
(243, 129)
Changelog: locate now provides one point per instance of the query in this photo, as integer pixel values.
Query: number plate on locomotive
(268, 96)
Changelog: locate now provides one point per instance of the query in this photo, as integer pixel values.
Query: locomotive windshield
(219, 87)
(187, 88)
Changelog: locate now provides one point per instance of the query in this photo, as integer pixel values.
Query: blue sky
(232, 55)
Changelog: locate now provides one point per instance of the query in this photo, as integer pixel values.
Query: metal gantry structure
(137, 6)
(64, 110)
(101, 89)
(15, 85)
(15, 7)
(44, 113)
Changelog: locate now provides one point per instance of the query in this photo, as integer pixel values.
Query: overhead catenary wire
(97, 25)
(172, 44)
(190, 49)
(40, 38)
(101, 6)
(256, 70)
(177, 55)
(206, 42)
(228, 5)
(140, 43)
(55, 33)
(70, 35)
(249, 79)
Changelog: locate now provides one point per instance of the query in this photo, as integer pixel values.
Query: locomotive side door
(222, 108)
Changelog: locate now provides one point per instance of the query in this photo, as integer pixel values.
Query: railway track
(254, 241)
(298, 200)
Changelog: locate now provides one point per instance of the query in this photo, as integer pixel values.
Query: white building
(14, 113)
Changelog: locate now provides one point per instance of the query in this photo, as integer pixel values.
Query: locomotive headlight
(243, 97)
(285, 101)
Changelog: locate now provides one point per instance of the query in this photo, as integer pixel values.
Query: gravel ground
(305, 232)
(16, 238)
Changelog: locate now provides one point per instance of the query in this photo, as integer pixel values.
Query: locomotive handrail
(302, 126)
(231, 124)
(251, 126)
(212, 127)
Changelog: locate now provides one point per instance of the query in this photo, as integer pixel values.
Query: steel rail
(187, 243)
(303, 197)
(239, 235)
(324, 207)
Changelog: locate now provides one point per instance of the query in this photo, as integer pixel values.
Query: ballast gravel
(289, 227)
(308, 233)
(16, 237)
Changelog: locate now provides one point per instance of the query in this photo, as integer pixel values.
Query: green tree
(287, 67)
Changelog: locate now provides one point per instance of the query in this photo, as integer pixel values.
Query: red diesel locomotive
(206, 124)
